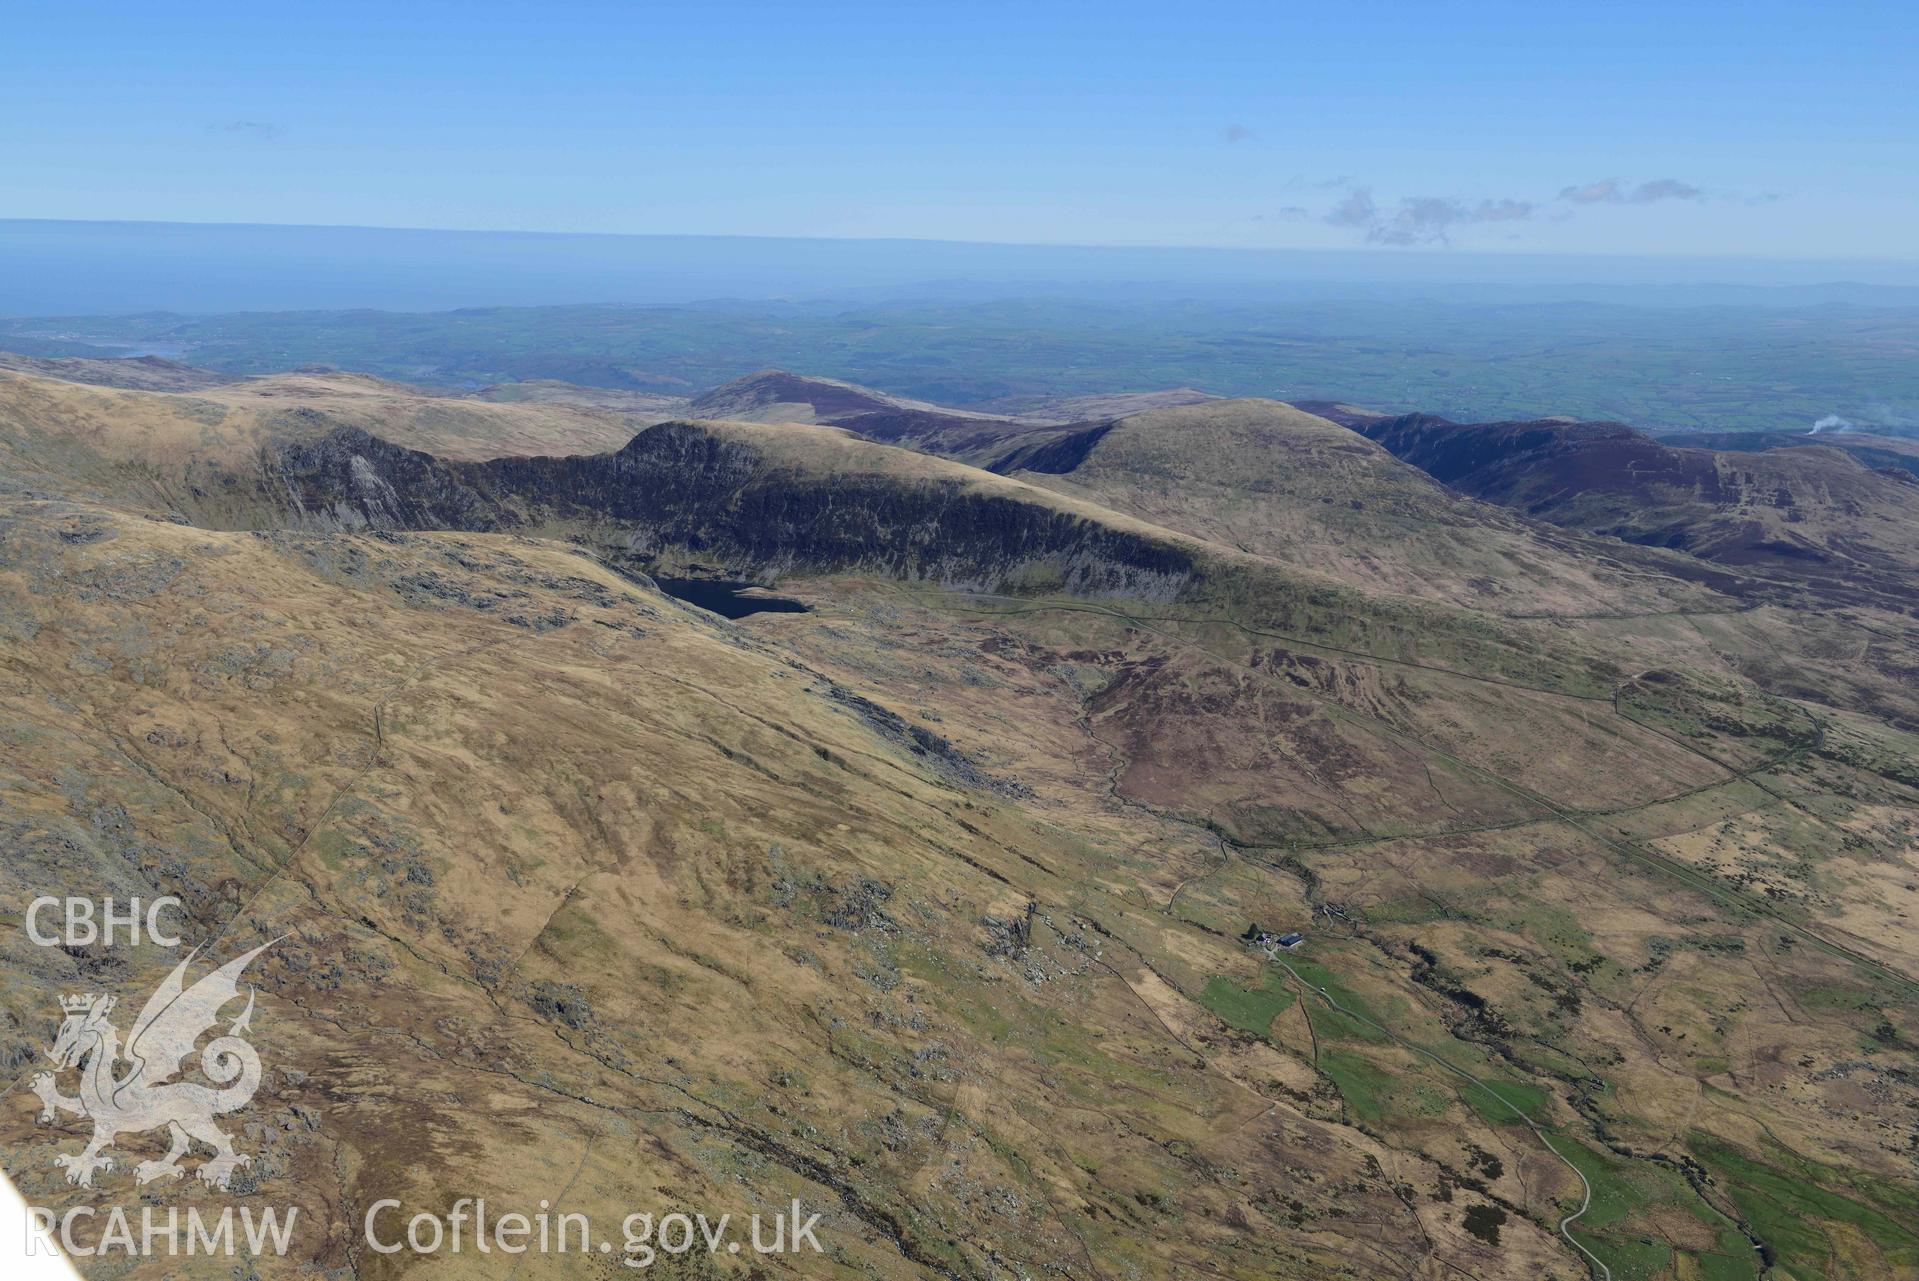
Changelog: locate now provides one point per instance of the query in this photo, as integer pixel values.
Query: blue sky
(1786, 130)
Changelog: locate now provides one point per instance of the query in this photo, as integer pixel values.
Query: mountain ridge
(1815, 515)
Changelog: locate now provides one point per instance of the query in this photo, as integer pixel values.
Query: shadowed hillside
(1814, 516)
(1873, 450)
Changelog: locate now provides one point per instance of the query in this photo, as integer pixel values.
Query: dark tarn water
(727, 598)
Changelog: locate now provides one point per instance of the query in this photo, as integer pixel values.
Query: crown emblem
(147, 1095)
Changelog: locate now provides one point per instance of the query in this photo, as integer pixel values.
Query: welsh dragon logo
(145, 1096)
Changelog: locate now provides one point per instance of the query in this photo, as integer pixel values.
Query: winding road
(1565, 1224)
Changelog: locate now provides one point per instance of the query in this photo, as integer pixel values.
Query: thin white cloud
(1432, 220)
(1616, 191)
(259, 130)
(1356, 210)
(1421, 220)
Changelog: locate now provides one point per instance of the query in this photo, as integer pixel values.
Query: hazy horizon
(57, 267)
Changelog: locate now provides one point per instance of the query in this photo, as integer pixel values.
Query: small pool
(728, 598)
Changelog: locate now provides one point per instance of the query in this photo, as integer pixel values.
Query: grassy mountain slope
(775, 396)
(1816, 517)
(641, 406)
(589, 892)
(1873, 450)
(142, 373)
(44, 420)
(1283, 484)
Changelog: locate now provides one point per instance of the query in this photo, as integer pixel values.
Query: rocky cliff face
(679, 492)
(350, 479)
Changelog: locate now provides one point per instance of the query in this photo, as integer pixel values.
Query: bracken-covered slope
(925, 906)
